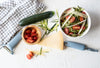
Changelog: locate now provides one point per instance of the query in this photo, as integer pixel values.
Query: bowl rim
(38, 31)
(84, 33)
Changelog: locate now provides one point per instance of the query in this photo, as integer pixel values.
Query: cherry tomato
(28, 56)
(66, 30)
(25, 36)
(83, 12)
(84, 28)
(28, 31)
(70, 33)
(72, 19)
(33, 30)
(68, 9)
(35, 38)
(30, 40)
(31, 53)
(77, 27)
(67, 17)
(81, 18)
(34, 34)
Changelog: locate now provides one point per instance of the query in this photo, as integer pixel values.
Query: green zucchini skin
(35, 18)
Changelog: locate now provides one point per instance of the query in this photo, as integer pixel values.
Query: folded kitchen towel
(11, 12)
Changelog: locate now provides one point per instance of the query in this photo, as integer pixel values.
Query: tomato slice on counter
(28, 56)
(31, 53)
(66, 30)
(76, 27)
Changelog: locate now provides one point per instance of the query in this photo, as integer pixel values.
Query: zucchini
(35, 18)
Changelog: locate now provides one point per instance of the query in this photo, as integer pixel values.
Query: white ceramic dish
(84, 33)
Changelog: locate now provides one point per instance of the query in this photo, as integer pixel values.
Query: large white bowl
(84, 33)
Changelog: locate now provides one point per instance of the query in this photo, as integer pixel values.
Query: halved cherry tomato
(25, 36)
(66, 30)
(28, 31)
(83, 12)
(67, 17)
(84, 28)
(34, 34)
(28, 56)
(35, 38)
(81, 18)
(77, 27)
(70, 33)
(72, 19)
(33, 30)
(30, 40)
(31, 53)
(68, 9)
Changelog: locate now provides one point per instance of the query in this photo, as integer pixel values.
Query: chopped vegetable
(77, 27)
(66, 30)
(81, 18)
(30, 35)
(72, 21)
(30, 55)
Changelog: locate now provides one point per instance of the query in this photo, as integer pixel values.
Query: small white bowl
(84, 33)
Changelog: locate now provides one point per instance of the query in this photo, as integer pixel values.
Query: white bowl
(84, 33)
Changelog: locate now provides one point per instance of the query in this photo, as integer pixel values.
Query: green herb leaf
(57, 13)
(41, 51)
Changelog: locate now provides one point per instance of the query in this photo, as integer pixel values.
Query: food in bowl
(74, 22)
(31, 34)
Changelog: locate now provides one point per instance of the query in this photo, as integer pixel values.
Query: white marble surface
(69, 58)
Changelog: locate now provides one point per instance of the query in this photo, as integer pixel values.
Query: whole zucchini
(35, 18)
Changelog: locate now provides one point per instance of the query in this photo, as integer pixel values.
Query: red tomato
(70, 33)
(83, 12)
(66, 30)
(67, 17)
(84, 28)
(33, 30)
(28, 31)
(81, 18)
(25, 36)
(34, 34)
(35, 38)
(68, 9)
(31, 53)
(77, 27)
(72, 19)
(29, 40)
(28, 56)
